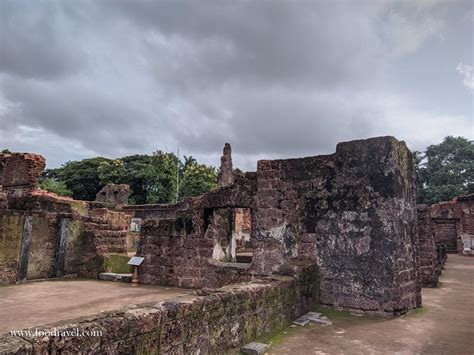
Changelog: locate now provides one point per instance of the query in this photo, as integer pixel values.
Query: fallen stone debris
(312, 317)
(254, 348)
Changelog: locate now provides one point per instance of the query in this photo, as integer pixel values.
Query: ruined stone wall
(215, 323)
(19, 173)
(352, 213)
(11, 230)
(430, 261)
(453, 224)
(114, 194)
(466, 237)
(226, 173)
(179, 251)
(43, 235)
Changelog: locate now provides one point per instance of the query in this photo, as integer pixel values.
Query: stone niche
(352, 214)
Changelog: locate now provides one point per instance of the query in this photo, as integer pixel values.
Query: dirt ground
(445, 324)
(39, 303)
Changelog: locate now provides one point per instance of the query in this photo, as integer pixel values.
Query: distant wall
(453, 224)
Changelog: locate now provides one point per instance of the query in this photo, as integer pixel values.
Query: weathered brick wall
(91, 235)
(453, 224)
(19, 172)
(176, 254)
(212, 324)
(104, 232)
(354, 214)
(429, 260)
(11, 230)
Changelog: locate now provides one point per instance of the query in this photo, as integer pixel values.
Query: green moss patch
(117, 263)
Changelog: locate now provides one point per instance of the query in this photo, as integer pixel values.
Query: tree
(197, 179)
(58, 187)
(152, 178)
(81, 177)
(6, 151)
(162, 178)
(445, 170)
(113, 171)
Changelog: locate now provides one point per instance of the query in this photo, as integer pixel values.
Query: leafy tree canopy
(152, 178)
(445, 170)
(58, 187)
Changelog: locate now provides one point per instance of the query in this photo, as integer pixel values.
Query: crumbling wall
(354, 214)
(430, 260)
(11, 230)
(226, 173)
(19, 173)
(180, 251)
(212, 323)
(453, 224)
(116, 194)
(43, 235)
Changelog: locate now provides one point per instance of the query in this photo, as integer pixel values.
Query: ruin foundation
(339, 230)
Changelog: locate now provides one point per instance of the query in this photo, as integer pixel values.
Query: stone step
(112, 276)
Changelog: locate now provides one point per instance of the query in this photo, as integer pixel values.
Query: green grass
(333, 314)
(417, 312)
(277, 336)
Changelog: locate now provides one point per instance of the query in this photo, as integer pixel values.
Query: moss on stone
(417, 312)
(117, 263)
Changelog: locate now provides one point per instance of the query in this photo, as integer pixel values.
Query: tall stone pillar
(226, 174)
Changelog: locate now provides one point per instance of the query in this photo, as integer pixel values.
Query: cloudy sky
(274, 78)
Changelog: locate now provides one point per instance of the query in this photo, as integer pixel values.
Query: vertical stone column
(62, 244)
(25, 248)
(226, 174)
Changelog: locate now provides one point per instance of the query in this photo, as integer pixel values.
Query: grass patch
(334, 314)
(418, 311)
(439, 284)
(277, 336)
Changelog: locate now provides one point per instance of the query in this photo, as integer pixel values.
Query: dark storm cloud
(35, 41)
(260, 43)
(275, 78)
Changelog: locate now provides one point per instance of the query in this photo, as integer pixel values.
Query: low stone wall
(210, 324)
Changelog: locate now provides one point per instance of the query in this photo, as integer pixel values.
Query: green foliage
(445, 170)
(6, 151)
(58, 187)
(81, 177)
(152, 178)
(197, 179)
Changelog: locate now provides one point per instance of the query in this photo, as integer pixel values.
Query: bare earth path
(444, 326)
(39, 303)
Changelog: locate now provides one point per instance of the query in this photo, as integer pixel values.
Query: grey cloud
(279, 78)
(35, 41)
